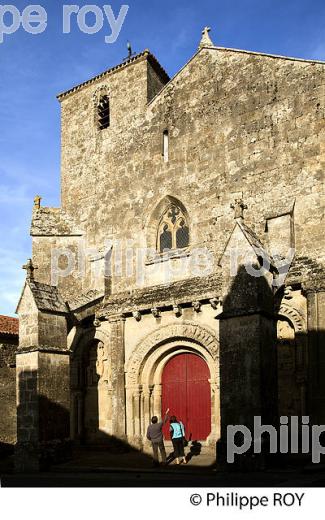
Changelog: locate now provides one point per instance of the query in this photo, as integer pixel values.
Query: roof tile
(9, 325)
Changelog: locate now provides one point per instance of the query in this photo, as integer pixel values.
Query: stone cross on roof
(37, 202)
(30, 268)
(206, 40)
(239, 206)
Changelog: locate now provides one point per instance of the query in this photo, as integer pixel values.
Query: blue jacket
(177, 430)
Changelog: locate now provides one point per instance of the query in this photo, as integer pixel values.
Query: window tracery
(173, 230)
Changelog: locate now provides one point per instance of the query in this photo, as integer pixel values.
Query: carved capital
(214, 302)
(196, 306)
(177, 309)
(155, 312)
(136, 315)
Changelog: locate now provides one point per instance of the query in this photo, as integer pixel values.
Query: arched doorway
(90, 395)
(186, 392)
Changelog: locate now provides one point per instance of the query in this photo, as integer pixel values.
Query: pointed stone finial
(239, 206)
(206, 40)
(30, 268)
(37, 202)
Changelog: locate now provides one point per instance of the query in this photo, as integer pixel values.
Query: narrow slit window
(103, 113)
(165, 145)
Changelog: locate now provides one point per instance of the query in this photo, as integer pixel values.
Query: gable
(244, 247)
(38, 296)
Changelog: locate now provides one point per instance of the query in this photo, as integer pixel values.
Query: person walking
(177, 431)
(155, 435)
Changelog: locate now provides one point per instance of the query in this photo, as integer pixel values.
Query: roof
(306, 269)
(9, 326)
(255, 243)
(145, 54)
(164, 295)
(85, 299)
(47, 297)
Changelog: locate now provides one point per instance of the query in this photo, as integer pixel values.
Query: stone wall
(239, 124)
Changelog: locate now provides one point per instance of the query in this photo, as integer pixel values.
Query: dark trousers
(178, 445)
(161, 447)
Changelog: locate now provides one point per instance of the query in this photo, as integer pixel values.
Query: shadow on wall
(262, 375)
(43, 438)
(43, 428)
(7, 391)
(248, 360)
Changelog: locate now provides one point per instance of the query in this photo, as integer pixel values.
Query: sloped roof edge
(145, 54)
(253, 241)
(242, 51)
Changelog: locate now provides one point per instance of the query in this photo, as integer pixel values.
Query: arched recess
(91, 395)
(292, 361)
(169, 213)
(144, 372)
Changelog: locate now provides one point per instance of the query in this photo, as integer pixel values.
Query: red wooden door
(186, 392)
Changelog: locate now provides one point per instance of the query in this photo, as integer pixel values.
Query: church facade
(185, 266)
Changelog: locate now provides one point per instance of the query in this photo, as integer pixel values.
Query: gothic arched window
(173, 230)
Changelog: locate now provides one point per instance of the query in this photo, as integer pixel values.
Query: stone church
(184, 268)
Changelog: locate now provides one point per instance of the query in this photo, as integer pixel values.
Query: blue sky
(34, 68)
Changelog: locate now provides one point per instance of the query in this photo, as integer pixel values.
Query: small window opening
(103, 113)
(165, 145)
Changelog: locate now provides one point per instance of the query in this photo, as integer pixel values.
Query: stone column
(215, 413)
(156, 396)
(109, 408)
(146, 409)
(137, 439)
(129, 414)
(316, 354)
(117, 324)
(146, 419)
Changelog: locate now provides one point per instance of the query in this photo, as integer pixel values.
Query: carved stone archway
(294, 316)
(144, 373)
